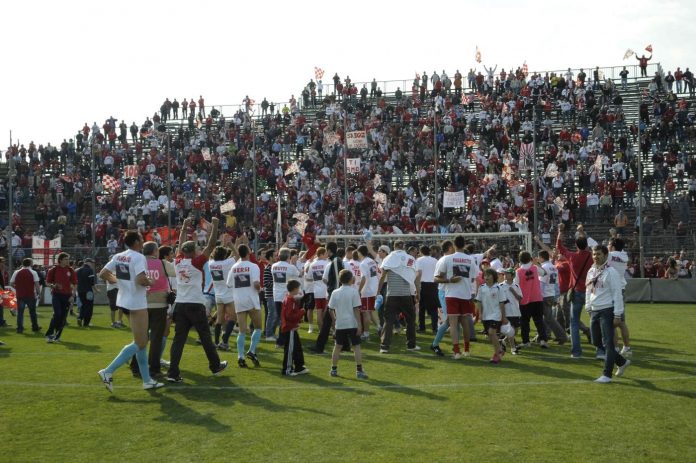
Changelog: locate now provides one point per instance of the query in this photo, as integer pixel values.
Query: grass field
(539, 406)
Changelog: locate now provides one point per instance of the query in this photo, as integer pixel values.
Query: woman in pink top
(532, 303)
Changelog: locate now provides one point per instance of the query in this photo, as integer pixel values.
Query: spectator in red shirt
(25, 281)
(62, 280)
(580, 262)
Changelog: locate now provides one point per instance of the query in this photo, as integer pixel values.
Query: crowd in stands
(480, 127)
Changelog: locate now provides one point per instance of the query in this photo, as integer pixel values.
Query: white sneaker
(457, 355)
(384, 351)
(620, 370)
(603, 380)
(303, 371)
(164, 363)
(466, 353)
(414, 348)
(271, 338)
(626, 351)
(599, 356)
(152, 385)
(310, 330)
(107, 380)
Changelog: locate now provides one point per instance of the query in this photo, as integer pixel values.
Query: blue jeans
(576, 310)
(273, 319)
(29, 302)
(61, 305)
(602, 326)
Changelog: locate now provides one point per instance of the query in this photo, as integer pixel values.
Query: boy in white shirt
(492, 309)
(618, 259)
(511, 293)
(344, 307)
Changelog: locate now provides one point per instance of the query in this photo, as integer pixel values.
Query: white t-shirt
(241, 279)
(458, 264)
(189, 279)
(490, 299)
(126, 266)
(343, 301)
(618, 260)
(308, 283)
(282, 273)
(426, 265)
(316, 271)
(369, 272)
(512, 305)
(219, 272)
(549, 279)
(354, 266)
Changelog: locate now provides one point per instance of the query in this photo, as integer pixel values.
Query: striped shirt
(397, 286)
(267, 282)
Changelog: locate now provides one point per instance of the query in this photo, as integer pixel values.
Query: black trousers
(293, 357)
(186, 316)
(534, 311)
(157, 322)
(429, 303)
(393, 306)
(86, 308)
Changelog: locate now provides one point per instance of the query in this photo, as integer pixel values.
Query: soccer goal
(507, 243)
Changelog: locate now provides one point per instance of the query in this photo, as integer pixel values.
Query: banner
(301, 224)
(43, 251)
(453, 199)
(167, 236)
(130, 171)
(377, 181)
(292, 169)
(477, 57)
(356, 140)
(331, 138)
(229, 206)
(353, 165)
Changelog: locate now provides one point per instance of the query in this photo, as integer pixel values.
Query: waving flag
(649, 48)
(525, 69)
(318, 73)
(629, 53)
(527, 150)
(110, 183)
(478, 55)
(43, 251)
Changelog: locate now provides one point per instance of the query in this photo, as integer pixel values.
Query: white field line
(364, 385)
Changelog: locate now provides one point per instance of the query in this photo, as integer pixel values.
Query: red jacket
(580, 263)
(291, 314)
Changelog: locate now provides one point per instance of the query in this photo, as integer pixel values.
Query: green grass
(540, 406)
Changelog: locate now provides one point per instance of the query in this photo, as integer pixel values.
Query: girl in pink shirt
(532, 303)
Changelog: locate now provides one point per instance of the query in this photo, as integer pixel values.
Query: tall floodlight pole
(535, 179)
(437, 164)
(94, 202)
(10, 208)
(345, 171)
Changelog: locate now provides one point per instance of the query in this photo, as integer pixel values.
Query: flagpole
(437, 163)
(279, 232)
(535, 180)
(167, 156)
(94, 203)
(345, 172)
(10, 209)
(253, 164)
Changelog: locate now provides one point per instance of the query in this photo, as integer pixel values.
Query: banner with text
(453, 199)
(356, 140)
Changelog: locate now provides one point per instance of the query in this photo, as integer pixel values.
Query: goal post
(506, 242)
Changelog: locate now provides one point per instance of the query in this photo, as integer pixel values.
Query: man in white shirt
(128, 269)
(369, 279)
(282, 272)
(604, 302)
(245, 280)
(425, 274)
(618, 259)
(549, 283)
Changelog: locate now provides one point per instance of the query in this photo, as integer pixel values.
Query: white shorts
(245, 309)
(224, 300)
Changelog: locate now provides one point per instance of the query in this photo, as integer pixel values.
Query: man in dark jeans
(62, 280)
(85, 291)
(331, 284)
(189, 308)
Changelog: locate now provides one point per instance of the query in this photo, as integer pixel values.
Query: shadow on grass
(175, 412)
(78, 346)
(646, 384)
(228, 394)
(315, 379)
(396, 359)
(408, 390)
(666, 365)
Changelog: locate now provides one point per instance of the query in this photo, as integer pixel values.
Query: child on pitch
(291, 315)
(492, 309)
(344, 306)
(511, 293)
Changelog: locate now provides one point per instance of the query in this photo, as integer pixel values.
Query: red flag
(649, 48)
(110, 183)
(318, 73)
(9, 300)
(167, 235)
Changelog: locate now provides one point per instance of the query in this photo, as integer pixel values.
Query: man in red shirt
(580, 262)
(62, 280)
(25, 281)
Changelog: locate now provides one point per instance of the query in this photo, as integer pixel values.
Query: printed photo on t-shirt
(217, 275)
(280, 277)
(123, 272)
(373, 271)
(317, 275)
(242, 281)
(460, 271)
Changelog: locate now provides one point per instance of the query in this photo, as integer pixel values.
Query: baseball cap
(188, 247)
(384, 248)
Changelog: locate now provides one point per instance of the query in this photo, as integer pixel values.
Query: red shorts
(320, 304)
(368, 304)
(456, 306)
